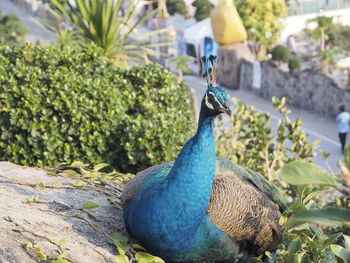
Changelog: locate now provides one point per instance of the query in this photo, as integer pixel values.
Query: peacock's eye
(211, 99)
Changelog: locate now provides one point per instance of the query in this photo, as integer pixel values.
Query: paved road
(316, 126)
(36, 32)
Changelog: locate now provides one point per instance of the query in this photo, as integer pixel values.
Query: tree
(261, 19)
(176, 7)
(11, 28)
(319, 33)
(203, 8)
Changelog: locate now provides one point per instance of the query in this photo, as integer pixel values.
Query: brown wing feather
(238, 209)
(131, 190)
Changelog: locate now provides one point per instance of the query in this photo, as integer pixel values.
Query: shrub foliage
(58, 106)
(12, 29)
(281, 53)
(252, 143)
(294, 64)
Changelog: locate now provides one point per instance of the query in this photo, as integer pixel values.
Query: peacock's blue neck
(190, 180)
(205, 125)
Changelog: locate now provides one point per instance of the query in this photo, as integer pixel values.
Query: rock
(47, 222)
(230, 58)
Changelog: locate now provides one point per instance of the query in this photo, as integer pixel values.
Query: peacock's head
(216, 100)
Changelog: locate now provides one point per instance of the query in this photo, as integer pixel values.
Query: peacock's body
(200, 208)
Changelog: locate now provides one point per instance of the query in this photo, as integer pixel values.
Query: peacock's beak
(226, 108)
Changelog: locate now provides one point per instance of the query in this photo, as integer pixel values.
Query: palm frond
(102, 22)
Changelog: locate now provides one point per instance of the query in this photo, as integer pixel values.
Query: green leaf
(79, 183)
(312, 195)
(121, 259)
(332, 239)
(51, 235)
(78, 164)
(40, 186)
(294, 246)
(346, 242)
(301, 173)
(90, 205)
(142, 257)
(347, 156)
(28, 245)
(122, 247)
(61, 260)
(327, 216)
(137, 246)
(120, 241)
(325, 154)
(41, 255)
(100, 166)
(62, 242)
(341, 252)
(116, 236)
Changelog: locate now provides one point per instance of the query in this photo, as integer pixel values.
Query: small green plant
(203, 8)
(12, 29)
(281, 53)
(328, 60)
(176, 7)
(180, 62)
(66, 35)
(181, 66)
(124, 245)
(311, 222)
(294, 64)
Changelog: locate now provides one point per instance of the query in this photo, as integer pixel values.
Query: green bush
(250, 141)
(12, 29)
(64, 105)
(176, 7)
(203, 9)
(281, 53)
(294, 64)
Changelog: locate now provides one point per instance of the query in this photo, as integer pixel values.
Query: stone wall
(308, 89)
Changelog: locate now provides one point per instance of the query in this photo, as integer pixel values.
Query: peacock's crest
(209, 65)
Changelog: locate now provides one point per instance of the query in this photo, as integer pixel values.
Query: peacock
(202, 208)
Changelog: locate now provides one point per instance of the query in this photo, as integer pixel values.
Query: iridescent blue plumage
(169, 213)
(172, 209)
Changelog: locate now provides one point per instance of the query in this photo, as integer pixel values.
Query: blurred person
(292, 45)
(343, 119)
